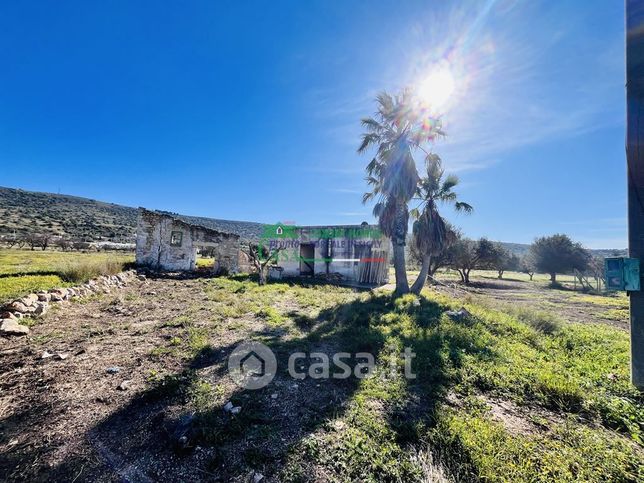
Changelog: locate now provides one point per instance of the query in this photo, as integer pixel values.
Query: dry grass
(82, 271)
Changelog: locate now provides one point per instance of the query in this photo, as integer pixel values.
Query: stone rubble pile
(37, 304)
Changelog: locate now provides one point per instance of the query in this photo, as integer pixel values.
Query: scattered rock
(63, 355)
(7, 315)
(124, 386)
(235, 410)
(458, 314)
(141, 277)
(19, 307)
(182, 432)
(30, 299)
(228, 406)
(41, 308)
(274, 395)
(256, 477)
(113, 370)
(44, 297)
(11, 327)
(55, 297)
(46, 355)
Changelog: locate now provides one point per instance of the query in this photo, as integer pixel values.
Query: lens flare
(437, 88)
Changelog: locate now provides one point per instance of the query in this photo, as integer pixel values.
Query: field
(25, 271)
(529, 391)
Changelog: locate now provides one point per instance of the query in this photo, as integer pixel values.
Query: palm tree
(400, 127)
(430, 231)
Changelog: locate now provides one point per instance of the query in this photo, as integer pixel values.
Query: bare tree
(261, 258)
(44, 241)
(11, 241)
(32, 240)
(63, 243)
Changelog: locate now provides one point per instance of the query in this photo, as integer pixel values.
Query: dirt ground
(571, 306)
(70, 417)
(88, 395)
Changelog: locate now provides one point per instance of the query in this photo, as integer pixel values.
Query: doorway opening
(307, 256)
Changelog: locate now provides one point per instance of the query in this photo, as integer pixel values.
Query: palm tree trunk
(398, 240)
(422, 276)
(402, 285)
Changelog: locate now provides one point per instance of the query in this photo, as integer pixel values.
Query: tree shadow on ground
(504, 279)
(494, 285)
(155, 437)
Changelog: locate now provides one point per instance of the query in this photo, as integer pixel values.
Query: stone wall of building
(167, 243)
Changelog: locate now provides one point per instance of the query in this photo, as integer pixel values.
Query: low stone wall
(37, 304)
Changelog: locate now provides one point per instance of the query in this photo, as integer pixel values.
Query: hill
(23, 212)
(520, 249)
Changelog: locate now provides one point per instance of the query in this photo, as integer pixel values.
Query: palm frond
(367, 197)
(367, 140)
(464, 207)
(450, 182)
(371, 124)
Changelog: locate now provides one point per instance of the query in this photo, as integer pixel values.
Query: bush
(82, 271)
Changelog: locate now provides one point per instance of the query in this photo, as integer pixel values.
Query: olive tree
(558, 254)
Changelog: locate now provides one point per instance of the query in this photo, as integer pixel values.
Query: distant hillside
(249, 230)
(79, 218)
(521, 249)
(23, 212)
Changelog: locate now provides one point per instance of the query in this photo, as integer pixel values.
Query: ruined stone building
(164, 242)
(347, 254)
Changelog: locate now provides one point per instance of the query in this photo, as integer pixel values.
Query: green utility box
(622, 274)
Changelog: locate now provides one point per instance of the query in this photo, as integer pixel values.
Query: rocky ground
(89, 394)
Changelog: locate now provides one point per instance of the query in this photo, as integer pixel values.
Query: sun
(437, 88)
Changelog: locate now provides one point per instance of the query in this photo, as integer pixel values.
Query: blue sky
(252, 111)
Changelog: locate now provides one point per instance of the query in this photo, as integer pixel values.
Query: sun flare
(437, 88)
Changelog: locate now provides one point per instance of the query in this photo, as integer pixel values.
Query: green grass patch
(615, 314)
(573, 377)
(44, 270)
(14, 287)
